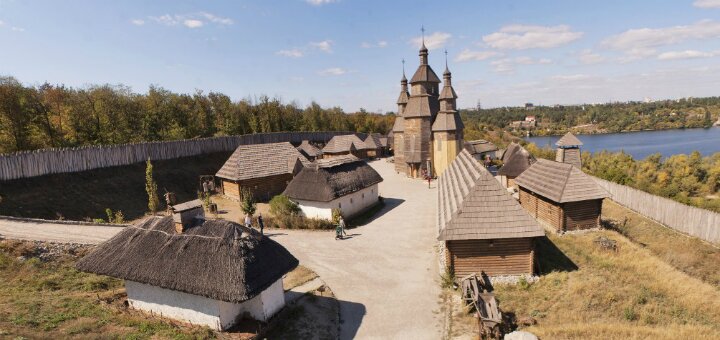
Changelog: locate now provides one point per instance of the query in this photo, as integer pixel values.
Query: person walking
(342, 226)
(261, 224)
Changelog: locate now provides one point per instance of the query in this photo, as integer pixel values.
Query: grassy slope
(629, 294)
(85, 194)
(53, 300)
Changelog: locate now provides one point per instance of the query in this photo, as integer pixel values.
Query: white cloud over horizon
(193, 20)
(521, 37)
(292, 53)
(468, 55)
(508, 65)
(641, 43)
(320, 2)
(432, 41)
(707, 3)
(379, 44)
(325, 45)
(333, 71)
(687, 54)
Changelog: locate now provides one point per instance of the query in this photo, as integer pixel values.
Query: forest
(604, 118)
(47, 116)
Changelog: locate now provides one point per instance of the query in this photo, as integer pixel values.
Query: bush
(298, 222)
(248, 205)
(281, 205)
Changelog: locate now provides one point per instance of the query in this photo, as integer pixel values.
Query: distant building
(262, 169)
(561, 196)
(515, 161)
(568, 150)
(375, 145)
(346, 145)
(343, 182)
(211, 273)
(529, 118)
(482, 229)
(481, 149)
(529, 106)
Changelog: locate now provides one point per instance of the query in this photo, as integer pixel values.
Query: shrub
(281, 205)
(336, 214)
(248, 205)
(298, 222)
(447, 279)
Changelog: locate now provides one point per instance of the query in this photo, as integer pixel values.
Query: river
(643, 143)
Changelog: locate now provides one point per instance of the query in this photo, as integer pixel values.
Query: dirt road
(56, 232)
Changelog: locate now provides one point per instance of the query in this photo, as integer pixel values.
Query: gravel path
(386, 274)
(56, 232)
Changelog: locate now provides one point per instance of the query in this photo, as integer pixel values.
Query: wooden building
(311, 152)
(482, 228)
(515, 160)
(481, 149)
(568, 150)
(375, 146)
(263, 169)
(343, 182)
(212, 272)
(561, 196)
(346, 145)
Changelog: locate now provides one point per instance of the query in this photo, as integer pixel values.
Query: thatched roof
(473, 205)
(220, 260)
(560, 182)
(332, 178)
(479, 146)
(515, 160)
(262, 160)
(308, 150)
(569, 140)
(345, 143)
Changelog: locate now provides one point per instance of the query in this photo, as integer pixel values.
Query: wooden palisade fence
(52, 161)
(693, 221)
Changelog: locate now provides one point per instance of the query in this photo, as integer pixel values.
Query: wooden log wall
(542, 209)
(582, 215)
(512, 256)
(52, 161)
(693, 221)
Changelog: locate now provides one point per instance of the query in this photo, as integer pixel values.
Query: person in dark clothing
(261, 224)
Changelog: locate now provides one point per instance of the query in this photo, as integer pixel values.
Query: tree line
(609, 117)
(46, 116)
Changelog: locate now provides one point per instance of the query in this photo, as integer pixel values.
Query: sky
(349, 53)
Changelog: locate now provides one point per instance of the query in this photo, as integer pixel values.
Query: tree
(151, 188)
(248, 205)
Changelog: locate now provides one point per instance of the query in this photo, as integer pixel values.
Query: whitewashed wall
(350, 205)
(200, 310)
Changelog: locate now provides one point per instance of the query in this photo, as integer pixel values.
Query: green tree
(248, 205)
(281, 205)
(151, 189)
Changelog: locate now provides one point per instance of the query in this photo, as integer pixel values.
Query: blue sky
(347, 53)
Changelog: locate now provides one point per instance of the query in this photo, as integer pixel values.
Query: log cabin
(342, 182)
(311, 152)
(208, 272)
(515, 160)
(346, 145)
(375, 145)
(481, 227)
(560, 196)
(262, 169)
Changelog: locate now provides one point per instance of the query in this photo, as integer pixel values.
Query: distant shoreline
(623, 131)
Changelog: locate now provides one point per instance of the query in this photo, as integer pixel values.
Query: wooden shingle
(560, 182)
(261, 160)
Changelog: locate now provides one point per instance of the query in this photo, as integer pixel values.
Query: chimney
(187, 215)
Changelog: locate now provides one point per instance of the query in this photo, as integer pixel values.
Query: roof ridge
(567, 179)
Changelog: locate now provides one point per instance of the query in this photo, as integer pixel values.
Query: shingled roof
(345, 143)
(560, 182)
(479, 146)
(472, 205)
(332, 178)
(262, 160)
(424, 73)
(515, 160)
(373, 141)
(569, 140)
(219, 259)
(421, 106)
(308, 149)
(447, 121)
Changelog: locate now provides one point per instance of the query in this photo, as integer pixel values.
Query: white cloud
(641, 43)
(325, 45)
(707, 3)
(688, 54)
(166, 19)
(588, 57)
(293, 53)
(432, 41)
(508, 65)
(17, 29)
(193, 23)
(468, 55)
(1, 23)
(380, 44)
(216, 19)
(138, 22)
(333, 71)
(520, 37)
(320, 2)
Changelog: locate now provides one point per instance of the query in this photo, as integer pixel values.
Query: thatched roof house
(346, 145)
(263, 169)
(515, 160)
(311, 152)
(343, 182)
(568, 150)
(208, 274)
(481, 148)
(561, 196)
(482, 228)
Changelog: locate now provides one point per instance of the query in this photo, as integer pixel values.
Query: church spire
(447, 75)
(423, 49)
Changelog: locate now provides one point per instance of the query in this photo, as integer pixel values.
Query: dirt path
(56, 232)
(385, 275)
